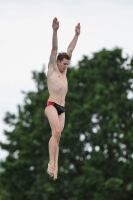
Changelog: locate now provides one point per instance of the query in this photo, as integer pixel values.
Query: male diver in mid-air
(57, 87)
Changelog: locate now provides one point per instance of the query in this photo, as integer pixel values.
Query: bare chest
(57, 83)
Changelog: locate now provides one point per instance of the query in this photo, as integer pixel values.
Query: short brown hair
(63, 55)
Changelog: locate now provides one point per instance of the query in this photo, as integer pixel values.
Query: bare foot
(50, 170)
(55, 173)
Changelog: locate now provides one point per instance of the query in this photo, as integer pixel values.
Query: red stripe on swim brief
(49, 103)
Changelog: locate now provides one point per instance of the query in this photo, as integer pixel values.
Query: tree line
(96, 147)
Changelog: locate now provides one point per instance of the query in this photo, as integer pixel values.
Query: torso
(57, 86)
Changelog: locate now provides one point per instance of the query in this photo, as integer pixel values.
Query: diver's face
(63, 65)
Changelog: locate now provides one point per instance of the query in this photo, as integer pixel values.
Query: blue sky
(25, 39)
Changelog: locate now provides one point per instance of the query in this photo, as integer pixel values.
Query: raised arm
(74, 40)
(52, 59)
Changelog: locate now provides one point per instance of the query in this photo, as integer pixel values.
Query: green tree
(96, 149)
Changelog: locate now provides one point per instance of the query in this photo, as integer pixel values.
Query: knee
(56, 133)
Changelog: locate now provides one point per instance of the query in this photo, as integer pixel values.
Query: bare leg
(52, 116)
(52, 154)
(61, 121)
(56, 162)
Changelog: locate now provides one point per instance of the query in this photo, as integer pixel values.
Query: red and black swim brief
(60, 109)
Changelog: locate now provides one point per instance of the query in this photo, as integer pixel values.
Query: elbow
(55, 48)
(69, 50)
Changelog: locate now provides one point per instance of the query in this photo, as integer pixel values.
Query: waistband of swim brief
(50, 103)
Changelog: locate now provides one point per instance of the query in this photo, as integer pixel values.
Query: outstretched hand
(77, 29)
(55, 24)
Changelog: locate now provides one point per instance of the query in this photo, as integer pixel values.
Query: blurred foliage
(96, 148)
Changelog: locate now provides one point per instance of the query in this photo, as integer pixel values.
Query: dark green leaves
(96, 148)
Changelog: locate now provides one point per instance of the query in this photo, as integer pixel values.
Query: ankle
(51, 163)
